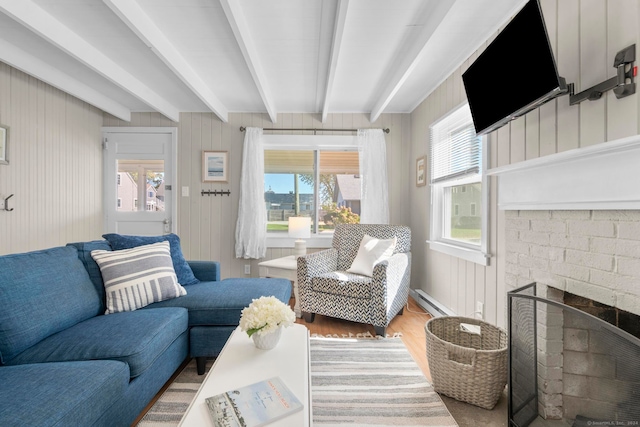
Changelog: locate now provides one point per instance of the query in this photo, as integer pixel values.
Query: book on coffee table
(253, 405)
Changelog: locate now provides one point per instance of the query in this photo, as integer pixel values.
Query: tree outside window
(291, 190)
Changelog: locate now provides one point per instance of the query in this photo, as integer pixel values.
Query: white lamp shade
(300, 227)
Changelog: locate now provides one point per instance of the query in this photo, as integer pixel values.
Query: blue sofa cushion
(42, 293)
(60, 394)
(137, 338)
(220, 303)
(206, 271)
(183, 271)
(84, 254)
(137, 277)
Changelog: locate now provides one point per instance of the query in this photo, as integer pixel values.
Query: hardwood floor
(410, 325)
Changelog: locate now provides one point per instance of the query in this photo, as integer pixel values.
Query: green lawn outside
(466, 233)
(277, 227)
(285, 227)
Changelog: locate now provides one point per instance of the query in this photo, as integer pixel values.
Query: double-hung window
(459, 188)
(310, 176)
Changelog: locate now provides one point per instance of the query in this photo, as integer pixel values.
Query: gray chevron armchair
(325, 287)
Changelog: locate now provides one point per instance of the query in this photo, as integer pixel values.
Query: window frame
(313, 143)
(438, 210)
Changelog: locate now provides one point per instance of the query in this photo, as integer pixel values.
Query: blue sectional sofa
(65, 363)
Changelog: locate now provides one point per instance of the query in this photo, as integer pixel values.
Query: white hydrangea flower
(264, 315)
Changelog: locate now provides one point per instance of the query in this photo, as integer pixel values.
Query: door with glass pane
(138, 180)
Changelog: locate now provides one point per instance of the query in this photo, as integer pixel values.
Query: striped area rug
(371, 382)
(354, 381)
(169, 408)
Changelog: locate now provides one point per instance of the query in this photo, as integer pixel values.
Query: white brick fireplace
(573, 227)
(590, 256)
(593, 254)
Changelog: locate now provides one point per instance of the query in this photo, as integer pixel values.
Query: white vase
(267, 341)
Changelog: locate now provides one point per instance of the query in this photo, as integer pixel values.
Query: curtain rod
(314, 130)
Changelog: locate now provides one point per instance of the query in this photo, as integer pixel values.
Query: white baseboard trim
(428, 303)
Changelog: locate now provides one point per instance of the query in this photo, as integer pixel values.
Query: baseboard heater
(428, 303)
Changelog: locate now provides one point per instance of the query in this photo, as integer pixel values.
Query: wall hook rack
(215, 192)
(6, 204)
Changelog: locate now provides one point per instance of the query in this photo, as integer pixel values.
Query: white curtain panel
(251, 228)
(374, 202)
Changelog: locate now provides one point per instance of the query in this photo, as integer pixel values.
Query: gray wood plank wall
(55, 165)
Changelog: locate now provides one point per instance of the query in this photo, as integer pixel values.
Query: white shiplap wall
(585, 36)
(207, 223)
(55, 165)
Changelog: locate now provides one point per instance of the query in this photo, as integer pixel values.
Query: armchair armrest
(206, 271)
(391, 280)
(312, 265)
(392, 271)
(317, 263)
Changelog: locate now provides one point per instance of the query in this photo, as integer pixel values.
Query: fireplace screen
(567, 364)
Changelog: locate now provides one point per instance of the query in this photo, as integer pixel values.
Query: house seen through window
(142, 180)
(320, 184)
(459, 204)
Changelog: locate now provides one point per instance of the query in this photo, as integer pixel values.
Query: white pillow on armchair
(371, 252)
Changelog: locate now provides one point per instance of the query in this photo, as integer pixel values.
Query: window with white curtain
(458, 159)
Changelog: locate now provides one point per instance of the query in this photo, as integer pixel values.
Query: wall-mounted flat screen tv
(515, 74)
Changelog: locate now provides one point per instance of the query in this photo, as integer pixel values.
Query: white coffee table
(283, 268)
(240, 363)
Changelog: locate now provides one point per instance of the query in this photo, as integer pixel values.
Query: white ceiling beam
(33, 17)
(336, 44)
(325, 41)
(140, 23)
(407, 63)
(240, 28)
(21, 60)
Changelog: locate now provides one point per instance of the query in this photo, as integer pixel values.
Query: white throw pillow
(371, 252)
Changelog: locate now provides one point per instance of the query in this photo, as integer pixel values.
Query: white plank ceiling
(225, 56)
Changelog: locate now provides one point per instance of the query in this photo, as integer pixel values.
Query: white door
(139, 176)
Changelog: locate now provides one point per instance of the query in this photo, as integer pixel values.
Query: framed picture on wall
(215, 166)
(4, 140)
(421, 171)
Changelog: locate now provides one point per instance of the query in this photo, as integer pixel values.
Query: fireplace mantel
(598, 177)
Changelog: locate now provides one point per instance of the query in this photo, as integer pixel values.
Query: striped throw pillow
(134, 278)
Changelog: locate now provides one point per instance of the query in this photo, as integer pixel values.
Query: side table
(283, 268)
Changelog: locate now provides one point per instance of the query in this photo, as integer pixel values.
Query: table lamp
(300, 229)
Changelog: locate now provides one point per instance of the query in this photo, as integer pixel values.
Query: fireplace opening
(622, 319)
(570, 364)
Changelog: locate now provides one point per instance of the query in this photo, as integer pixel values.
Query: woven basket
(465, 365)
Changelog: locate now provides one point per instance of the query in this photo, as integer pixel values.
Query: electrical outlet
(247, 269)
(480, 309)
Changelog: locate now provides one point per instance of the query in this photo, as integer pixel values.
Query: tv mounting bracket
(622, 84)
